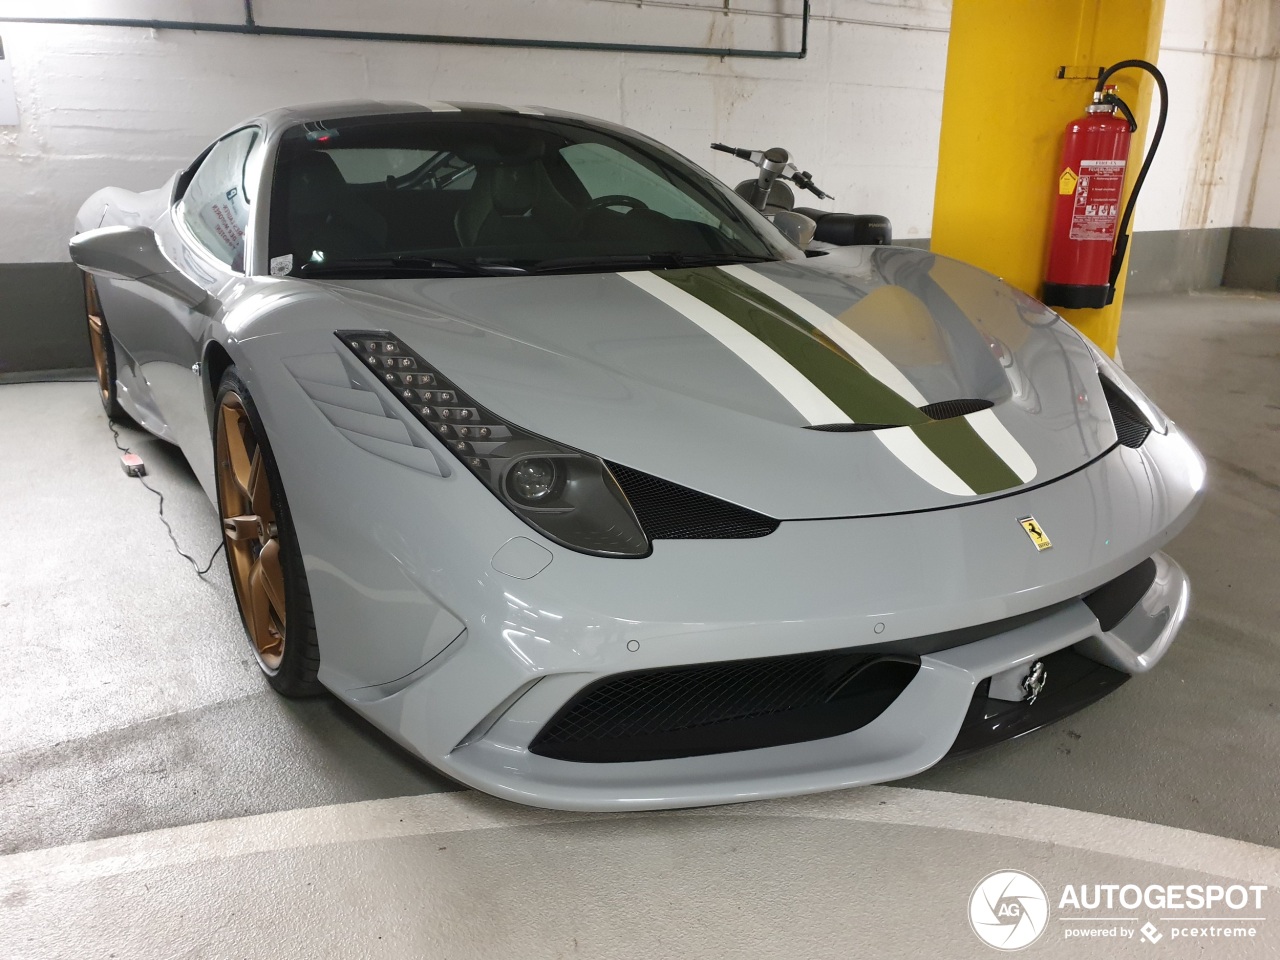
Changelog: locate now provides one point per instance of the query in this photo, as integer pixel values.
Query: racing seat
(512, 204)
(324, 215)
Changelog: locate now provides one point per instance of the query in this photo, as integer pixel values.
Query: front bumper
(917, 730)
(476, 707)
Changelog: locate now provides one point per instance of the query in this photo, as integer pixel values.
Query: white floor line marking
(810, 402)
(456, 812)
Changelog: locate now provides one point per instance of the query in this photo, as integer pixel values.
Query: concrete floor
(135, 731)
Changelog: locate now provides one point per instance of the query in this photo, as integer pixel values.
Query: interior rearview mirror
(133, 253)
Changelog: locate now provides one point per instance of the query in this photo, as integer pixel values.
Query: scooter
(769, 194)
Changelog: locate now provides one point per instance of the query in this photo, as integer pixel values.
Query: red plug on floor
(132, 465)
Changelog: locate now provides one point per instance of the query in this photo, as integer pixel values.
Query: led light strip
(469, 430)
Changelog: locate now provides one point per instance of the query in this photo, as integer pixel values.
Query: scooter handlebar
(740, 152)
(804, 180)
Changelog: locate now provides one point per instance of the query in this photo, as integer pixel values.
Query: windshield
(497, 194)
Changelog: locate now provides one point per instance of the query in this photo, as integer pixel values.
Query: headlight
(1109, 370)
(569, 496)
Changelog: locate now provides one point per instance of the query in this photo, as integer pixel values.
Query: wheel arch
(215, 363)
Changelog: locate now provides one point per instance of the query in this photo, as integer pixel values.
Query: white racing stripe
(903, 443)
(812, 404)
(997, 436)
(911, 450)
(871, 359)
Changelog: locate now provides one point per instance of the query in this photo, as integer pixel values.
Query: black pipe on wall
(250, 27)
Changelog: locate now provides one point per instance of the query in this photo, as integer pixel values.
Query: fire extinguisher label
(1097, 200)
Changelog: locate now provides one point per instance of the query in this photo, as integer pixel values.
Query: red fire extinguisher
(1090, 234)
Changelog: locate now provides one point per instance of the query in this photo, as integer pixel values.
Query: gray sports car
(547, 453)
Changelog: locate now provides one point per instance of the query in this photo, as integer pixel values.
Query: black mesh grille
(721, 707)
(1131, 429)
(668, 511)
(947, 409)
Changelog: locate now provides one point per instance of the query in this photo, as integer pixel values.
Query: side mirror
(796, 227)
(132, 253)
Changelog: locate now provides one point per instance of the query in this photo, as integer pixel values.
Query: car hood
(758, 384)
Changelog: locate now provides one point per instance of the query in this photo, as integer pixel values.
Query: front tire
(263, 557)
(104, 351)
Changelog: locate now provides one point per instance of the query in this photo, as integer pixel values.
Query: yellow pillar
(1003, 112)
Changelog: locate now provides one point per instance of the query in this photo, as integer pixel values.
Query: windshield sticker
(281, 266)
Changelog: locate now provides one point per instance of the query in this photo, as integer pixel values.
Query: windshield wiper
(644, 261)
(407, 265)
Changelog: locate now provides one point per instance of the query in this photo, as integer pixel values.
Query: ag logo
(1008, 910)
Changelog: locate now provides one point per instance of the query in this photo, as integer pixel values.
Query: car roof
(281, 119)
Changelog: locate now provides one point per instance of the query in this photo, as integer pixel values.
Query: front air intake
(668, 511)
(723, 707)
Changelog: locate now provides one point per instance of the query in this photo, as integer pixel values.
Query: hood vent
(668, 511)
(950, 409)
(942, 410)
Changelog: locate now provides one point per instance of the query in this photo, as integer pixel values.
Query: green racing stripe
(862, 397)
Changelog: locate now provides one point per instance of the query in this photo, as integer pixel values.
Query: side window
(215, 206)
(604, 172)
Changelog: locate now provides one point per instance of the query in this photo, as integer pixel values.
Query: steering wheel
(615, 200)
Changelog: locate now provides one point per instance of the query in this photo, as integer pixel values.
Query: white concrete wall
(126, 107)
(1262, 202)
(1219, 57)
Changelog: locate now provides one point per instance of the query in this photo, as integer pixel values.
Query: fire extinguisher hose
(1122, 235)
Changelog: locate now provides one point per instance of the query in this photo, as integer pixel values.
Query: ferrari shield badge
(1034, 531)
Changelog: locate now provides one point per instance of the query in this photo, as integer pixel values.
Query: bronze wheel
(266, 571)
(104, 358)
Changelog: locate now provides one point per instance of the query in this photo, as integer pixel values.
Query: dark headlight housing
(568, 496)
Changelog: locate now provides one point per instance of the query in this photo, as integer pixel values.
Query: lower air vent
(1112, 601)
(1131, 429)
(668, 511)
(724, 707)
(949, 409)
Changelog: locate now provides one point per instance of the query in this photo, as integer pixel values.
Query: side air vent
(668, 511)
(358, 413)
(1131, 429)
(949, 409)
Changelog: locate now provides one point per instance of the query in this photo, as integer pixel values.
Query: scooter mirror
(796, 227)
